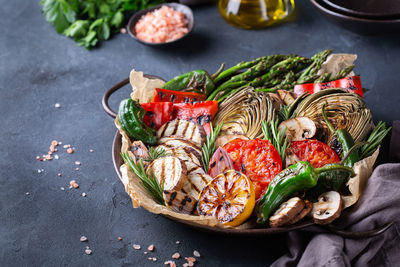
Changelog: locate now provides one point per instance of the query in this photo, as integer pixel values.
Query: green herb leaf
(78, 29)
(276, 137)
(59, 13)
(117, 19)
(208, 148)
(155, 153)
(148, 180)
(374, 140)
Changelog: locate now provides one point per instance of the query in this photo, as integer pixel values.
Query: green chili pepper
(130, 117)
(198, 81)
(295, 178)
(328, 181)
(342, 142)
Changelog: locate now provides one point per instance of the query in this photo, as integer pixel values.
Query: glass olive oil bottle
(254, 14)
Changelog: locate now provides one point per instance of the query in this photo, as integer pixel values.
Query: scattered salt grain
(76, 169)
(84, 194)
(88, 251)
(83, 238)
(123, 31)
(37, 157)
(73, 184)
(77, 163)
(91, 150)
(150, 248)
(177, 242)
(59, 174)
(70, 151)
(62, 188)
(27, 193)
(56, 157)
(171, 263)
(176, 255)
(145, 253)
(137, 247)
(154, 259)
(119, 238)
(190, 259)
(57, 105)
(196, 254)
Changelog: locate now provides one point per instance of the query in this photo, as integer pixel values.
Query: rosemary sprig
(284, 113)
(374, 140)
(276, 137)
(148, 180)
(208, 148)
(155, 153)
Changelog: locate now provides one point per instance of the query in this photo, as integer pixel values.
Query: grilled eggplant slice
(193, 168)
(180, 202)
(170, 172)
(183, 153)
(175, 142)
(195, 183)
(187, 130)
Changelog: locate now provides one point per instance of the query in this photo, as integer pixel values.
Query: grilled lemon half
(229, 197)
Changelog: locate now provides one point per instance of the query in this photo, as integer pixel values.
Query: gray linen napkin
(378, 205)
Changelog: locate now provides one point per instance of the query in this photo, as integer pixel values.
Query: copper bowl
(118, 161)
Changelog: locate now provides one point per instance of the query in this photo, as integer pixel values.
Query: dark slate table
(39, 68)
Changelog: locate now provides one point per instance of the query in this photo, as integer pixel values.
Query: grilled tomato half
(258, 159)
(229, 197)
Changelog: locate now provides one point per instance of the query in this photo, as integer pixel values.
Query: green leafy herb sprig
(148, 180)
(374, 140)
(155, 153)
(90, 21)
(208, 148)
(276, 137)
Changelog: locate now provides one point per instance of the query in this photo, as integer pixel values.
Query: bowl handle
(106, 96)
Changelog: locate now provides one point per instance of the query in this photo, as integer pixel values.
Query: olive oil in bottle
(254, 14)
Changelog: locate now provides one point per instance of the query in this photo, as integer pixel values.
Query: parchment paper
(140, 197)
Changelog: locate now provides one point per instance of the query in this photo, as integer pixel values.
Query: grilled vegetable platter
(266, 143)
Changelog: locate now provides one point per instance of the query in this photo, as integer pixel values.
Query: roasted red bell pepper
(158, 113)
(164, 95)
(201, 112)
(352, 84)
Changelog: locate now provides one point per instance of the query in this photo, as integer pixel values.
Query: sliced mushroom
(286, 212)
(303, 213)
(299, 128)
(140, 151)
(286, 96)
(328, 208)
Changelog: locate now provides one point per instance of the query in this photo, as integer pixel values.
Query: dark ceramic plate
(179, 7)
(118, 161)
(375, 9)
(359, 25)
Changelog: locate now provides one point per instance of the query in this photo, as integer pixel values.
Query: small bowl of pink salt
(161, 24)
